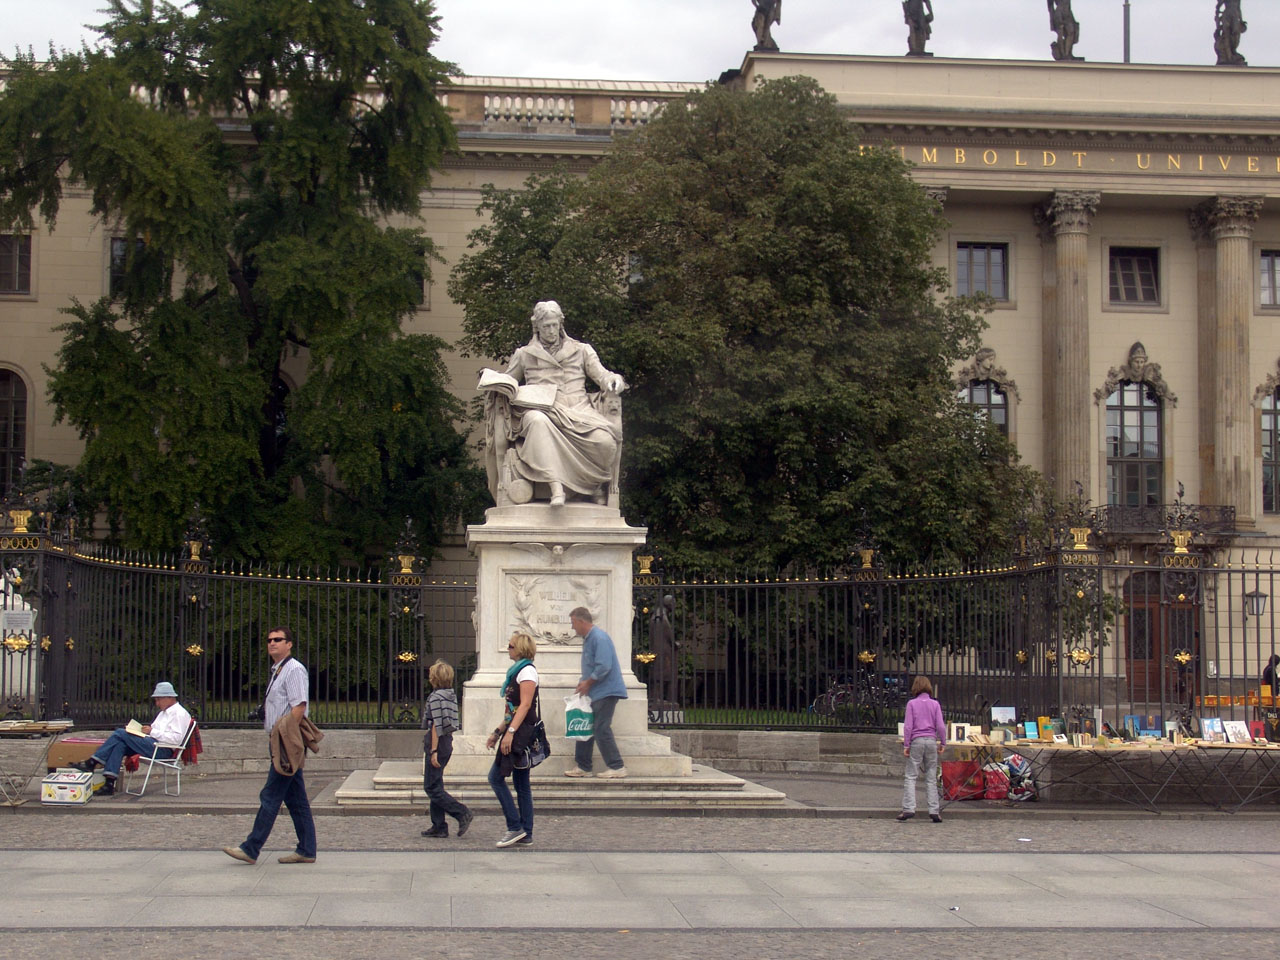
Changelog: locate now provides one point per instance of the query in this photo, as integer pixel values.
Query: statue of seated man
(552, 443)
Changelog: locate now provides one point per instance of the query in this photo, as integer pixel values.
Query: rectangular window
(983, 268)
(15, 263)
(120, 264)
(1269, 279)
(1135, 275)
(421, 280)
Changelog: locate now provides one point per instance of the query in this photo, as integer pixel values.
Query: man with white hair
(169, 726)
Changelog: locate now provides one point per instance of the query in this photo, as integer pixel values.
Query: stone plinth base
(398, 784)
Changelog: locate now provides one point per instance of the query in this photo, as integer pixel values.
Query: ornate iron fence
(1144, 636)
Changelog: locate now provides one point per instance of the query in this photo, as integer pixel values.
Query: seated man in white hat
(169, 726)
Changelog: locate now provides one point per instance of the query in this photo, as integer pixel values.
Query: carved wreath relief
(539, 604)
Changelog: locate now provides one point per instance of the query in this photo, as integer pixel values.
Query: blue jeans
(119, 745)
(602, 734)
(521, 819)
(292, 792)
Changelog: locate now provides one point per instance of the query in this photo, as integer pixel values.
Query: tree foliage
(253, 153)
(765, 285)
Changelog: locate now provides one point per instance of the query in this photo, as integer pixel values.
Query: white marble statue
(546, 438)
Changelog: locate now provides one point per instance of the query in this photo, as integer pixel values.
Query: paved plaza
(824, 881)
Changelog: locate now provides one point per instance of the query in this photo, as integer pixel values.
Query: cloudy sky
(698, 39)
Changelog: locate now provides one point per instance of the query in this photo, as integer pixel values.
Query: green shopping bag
(579, 721)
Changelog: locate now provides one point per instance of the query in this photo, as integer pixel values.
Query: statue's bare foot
(557, 494)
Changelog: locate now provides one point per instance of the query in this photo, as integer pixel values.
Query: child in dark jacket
(440, 719)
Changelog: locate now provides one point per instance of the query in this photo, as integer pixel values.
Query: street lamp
(1255, 604)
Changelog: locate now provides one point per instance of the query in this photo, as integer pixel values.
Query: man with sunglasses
(286, 695)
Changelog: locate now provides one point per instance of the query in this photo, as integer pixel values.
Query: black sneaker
(464, 822)
(525, 841)
(935, 818)
(108, 787)
(437, 832)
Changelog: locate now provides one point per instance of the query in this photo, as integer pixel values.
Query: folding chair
(173, 763)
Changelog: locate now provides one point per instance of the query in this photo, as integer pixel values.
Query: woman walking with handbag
(512, 738)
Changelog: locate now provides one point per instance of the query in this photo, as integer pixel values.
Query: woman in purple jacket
(924, 736)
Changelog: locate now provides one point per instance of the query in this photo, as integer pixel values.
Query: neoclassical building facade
(1123, 219)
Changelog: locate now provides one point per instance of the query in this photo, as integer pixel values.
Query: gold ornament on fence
(195, 650)
(866, 656)
(1051, 656)
(1021, 657)
(46, 642)
(407, 656)
(1182, 657)
(16, 643)
(646, 657)
(1081, 656)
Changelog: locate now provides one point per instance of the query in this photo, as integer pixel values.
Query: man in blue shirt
(602, 682)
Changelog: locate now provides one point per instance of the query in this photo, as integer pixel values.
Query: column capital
(1068, 211)
(1224, 216)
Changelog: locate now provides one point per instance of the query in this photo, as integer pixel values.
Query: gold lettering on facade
(1079, 155)
(989, 157)
(1017, 159)
(1175, 162)
(1050, 158)
(1144, 161)
(1253, 164)
(928, 155)
(1224, 162)
(959, 154)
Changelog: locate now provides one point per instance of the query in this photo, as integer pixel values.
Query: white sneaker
(577, 772)
(510, 838)
(608, 774)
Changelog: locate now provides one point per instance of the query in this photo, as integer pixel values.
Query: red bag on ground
(995, 782)
(962, 780)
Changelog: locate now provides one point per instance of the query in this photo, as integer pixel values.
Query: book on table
(537, 396)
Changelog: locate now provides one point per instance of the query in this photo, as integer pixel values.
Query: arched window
(988, 402)
(13, 428)
(1271, 452)
(1135, 446)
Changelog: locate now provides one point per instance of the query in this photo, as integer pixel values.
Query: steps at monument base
(398, 783)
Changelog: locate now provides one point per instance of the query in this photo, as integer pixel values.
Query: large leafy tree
(254, 154)
(765, 284)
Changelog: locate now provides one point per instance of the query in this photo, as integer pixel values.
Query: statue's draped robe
(571, 442)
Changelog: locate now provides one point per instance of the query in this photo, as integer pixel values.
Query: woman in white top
(511, 738)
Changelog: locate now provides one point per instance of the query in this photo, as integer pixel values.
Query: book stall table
(1147, 775)
(13, 786)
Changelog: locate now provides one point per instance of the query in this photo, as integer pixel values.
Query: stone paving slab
(886, 943)
(600, 891)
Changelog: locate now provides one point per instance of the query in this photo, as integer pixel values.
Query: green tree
(254, 154)
(765, 285)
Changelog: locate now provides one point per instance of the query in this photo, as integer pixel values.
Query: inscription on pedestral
(538, 603)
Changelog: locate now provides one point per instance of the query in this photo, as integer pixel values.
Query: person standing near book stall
(169, 726)
(924, 737)
(285, 704)
(569, 446)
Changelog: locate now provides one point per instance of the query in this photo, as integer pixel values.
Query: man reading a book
(568, 446)
(169, 726)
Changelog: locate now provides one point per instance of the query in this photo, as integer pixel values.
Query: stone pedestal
(536, 563)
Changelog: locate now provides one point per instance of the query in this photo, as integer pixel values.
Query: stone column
(1230, 222)
(1067, 218)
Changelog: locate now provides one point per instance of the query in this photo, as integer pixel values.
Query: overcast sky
(698, 39)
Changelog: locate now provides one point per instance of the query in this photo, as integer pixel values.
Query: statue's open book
(539, 396)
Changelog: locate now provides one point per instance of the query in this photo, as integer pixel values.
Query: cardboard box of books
(68, 750)
(67, 787)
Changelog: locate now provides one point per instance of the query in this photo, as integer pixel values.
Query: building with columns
(1123, 219)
